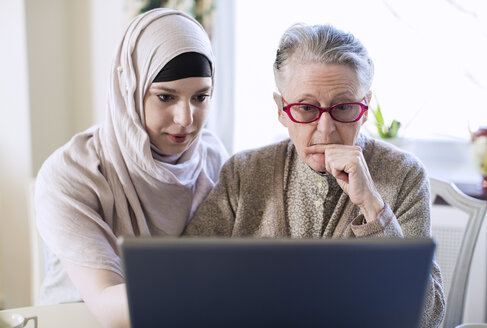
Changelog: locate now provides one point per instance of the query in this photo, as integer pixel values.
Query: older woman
(143, 172)
(328, 180)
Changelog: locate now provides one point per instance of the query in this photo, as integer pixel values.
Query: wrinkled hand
(347, 164)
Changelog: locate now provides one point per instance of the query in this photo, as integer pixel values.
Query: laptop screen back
(276, 283)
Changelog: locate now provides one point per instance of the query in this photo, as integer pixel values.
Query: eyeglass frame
(363, 107)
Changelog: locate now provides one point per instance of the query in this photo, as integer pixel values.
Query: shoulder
(382, 156)
(262, 156)
(76, 152)
(398, 175)
(77, 163)
(255, 165)
(251, 171)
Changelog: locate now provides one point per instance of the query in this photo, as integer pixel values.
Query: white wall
(106, 28)
(70, 47)
(223, 106)
(53, 85)
(15, 155)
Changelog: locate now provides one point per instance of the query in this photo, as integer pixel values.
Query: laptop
(209, 282)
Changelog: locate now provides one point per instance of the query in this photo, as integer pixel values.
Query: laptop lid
(180, 282)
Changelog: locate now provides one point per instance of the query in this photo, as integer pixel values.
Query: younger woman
(142, 172)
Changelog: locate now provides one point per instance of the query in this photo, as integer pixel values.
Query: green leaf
(395, 125)
(385, 131)
(378, 116)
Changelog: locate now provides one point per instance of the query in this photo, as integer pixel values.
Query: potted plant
(385, 131)
(479, 142)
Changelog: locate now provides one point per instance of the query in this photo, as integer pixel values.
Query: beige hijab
(108, 182)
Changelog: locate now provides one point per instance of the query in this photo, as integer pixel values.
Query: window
(430, 66)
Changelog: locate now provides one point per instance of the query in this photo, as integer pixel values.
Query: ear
(369, 97)
(281, 115)
(366, 114)
(365, 117)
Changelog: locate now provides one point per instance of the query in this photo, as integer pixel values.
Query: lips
(178, 138)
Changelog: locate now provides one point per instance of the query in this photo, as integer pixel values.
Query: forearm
(434, 305)
(372, 208)
(111, 307)
(103, 291)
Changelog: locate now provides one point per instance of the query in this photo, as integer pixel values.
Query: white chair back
(455, 249)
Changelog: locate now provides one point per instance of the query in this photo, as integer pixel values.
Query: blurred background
(431, 76)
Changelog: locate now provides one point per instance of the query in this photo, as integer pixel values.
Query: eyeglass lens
(343, 112)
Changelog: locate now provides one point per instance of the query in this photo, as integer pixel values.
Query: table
(471, 189)
(73, 315)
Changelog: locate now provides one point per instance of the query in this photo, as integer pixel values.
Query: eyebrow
(342, 94)
(163, 89)
(345, 93)
(205, 89)
(338, 95)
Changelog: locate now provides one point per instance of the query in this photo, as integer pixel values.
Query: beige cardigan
(249, 201)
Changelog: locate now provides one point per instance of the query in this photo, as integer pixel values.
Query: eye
(165, 97)
(303, 108)
(343, 107)
(202, 98)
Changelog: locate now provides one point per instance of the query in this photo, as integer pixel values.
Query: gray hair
(323, 44)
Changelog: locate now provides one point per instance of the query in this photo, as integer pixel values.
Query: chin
(178, 150)
(316, 162)
(171, 149)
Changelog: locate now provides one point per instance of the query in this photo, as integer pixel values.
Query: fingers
(339, 166)
(321, 148)
(345, 163)
(348, 166)
(341, 176)
(313, 149)
(339, 159)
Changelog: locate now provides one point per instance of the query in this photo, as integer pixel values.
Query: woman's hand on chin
(347, 164)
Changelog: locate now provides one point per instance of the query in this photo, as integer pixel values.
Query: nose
(183, 114)
(326, 124)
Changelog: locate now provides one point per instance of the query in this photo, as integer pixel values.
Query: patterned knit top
(307, 196)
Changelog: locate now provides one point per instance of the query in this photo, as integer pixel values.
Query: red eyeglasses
(343, 113)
